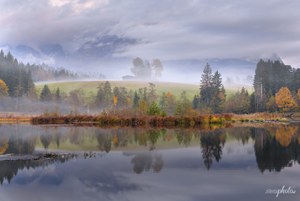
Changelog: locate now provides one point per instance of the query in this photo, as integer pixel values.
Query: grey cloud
(166, 29)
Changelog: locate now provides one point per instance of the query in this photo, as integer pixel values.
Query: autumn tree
(167, 102)
(239, 102)
(3, 88)
(284, 100)
(184, 105)
(153, 109)
(298, 97)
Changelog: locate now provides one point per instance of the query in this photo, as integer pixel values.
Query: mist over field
(104, 36)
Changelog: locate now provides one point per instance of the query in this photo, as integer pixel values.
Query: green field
(91, 87)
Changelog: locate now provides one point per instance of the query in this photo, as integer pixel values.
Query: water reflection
(146, 161)
(10, 168)
(211, 146)
(275, 146)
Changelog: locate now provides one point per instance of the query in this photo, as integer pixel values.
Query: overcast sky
(168, 29)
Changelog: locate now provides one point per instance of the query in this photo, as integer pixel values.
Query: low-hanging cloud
(169, 29)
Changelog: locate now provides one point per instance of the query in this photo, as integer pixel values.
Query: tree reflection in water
(147, 160)
(275, 146)
(211, 147)
(9, 169)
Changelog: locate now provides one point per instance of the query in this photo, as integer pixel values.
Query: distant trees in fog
(143, 69)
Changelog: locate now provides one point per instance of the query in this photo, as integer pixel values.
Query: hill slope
(91, 86)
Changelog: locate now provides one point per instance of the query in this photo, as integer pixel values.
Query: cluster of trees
(19, 78)
(145, 100)
(44, 72)
(16, 76)
(276, 88)
(211, 97)
(143, 69)
(269, 78)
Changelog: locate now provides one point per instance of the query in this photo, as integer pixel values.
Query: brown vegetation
(134, 121)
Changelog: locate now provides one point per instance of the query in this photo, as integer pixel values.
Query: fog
(24, 106)
(104, 36)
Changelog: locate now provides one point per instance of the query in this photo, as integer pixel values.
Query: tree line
(15, 76)
(270, 79)
(211, 98)
(276, 88)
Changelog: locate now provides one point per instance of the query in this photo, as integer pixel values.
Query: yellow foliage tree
(115, 100)
(3, 88)
(284, 100)
(3, 145)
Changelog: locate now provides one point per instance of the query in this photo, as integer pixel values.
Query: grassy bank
(135, 121)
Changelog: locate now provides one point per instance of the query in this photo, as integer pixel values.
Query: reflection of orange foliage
(115, 140)
(3, 145)
(169, 137)
(284, 135)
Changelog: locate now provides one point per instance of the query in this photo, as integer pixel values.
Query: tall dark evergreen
(57, 95)
(136, 100)
(104, 98)
(46, 94)
(206, 86)
(218, 93)
(212, 92)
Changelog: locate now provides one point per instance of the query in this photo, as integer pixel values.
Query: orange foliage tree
(3, 88)
(284, 100)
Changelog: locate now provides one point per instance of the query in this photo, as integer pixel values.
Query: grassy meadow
(91, 87)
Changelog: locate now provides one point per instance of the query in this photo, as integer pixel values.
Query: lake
(137, 164)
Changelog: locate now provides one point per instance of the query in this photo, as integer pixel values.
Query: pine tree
(57, 95)
(46, 94)
(136, 100)
(206, 86)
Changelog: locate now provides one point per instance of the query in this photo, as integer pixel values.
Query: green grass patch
(91, 87)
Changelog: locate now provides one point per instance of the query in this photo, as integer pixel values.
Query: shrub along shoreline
(135, 121)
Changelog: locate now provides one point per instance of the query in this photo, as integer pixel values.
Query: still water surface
(240, 163)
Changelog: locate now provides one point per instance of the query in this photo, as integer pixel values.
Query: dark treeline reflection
(275, 146)
(9, 169)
